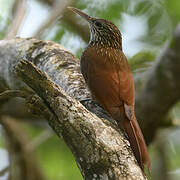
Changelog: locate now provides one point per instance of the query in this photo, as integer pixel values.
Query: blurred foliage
(55, 157)
(160, 17)
(158, 22)
(3, 27)
(6, 7)
(1, 137)
(173, 10)
(175, 112)
(165, 146)
(141, 61)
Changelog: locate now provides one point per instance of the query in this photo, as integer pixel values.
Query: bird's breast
(108, 76)
(107, 57)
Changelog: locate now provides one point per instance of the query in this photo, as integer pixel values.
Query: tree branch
(97, 146)
(52, 58)
(100, 150)
(19, 15)
(56, 12)
(161, 91)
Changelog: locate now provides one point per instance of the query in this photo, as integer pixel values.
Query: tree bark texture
(49, 70)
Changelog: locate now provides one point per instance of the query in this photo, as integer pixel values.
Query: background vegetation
(146, 26)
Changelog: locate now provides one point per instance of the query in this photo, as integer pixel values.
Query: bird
(108, 76)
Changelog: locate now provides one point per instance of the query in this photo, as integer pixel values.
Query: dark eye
(98, 24)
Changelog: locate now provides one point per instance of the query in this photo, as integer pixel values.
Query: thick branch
(52, 58)
(99, 149)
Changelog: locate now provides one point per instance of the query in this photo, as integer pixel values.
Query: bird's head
(103, 32)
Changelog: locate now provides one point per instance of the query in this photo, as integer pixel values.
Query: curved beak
(82, 14)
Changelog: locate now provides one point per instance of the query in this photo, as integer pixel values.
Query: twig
(46, 134)
(55, 14)
(17, 21)
(72, 22)
(4, 170)
(9, 94)
(13, 93)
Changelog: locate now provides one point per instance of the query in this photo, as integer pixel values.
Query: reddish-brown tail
(137, 142)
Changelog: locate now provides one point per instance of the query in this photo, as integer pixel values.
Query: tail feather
(125, 118)
(137, 142)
